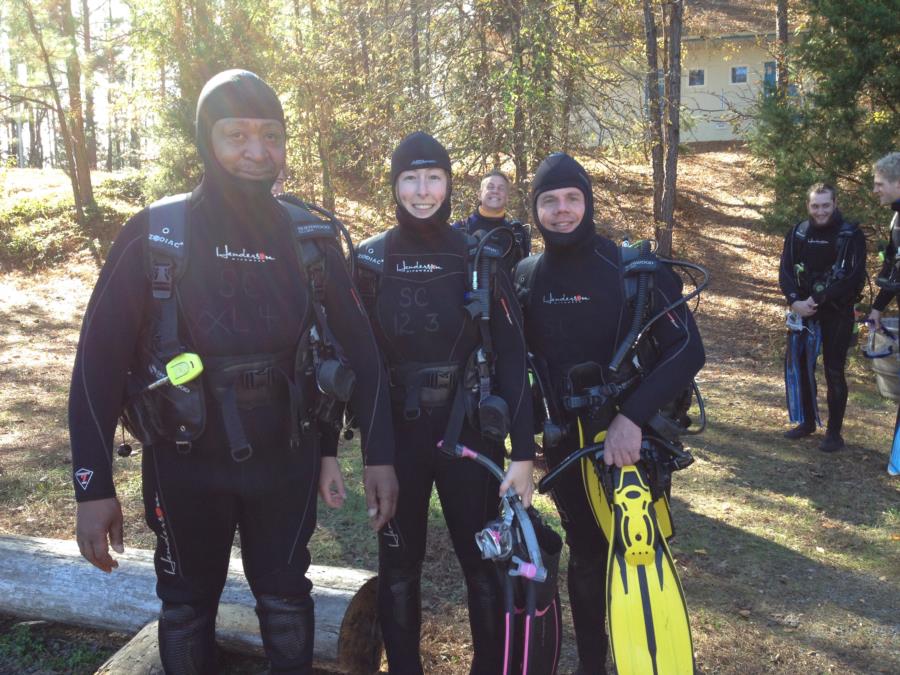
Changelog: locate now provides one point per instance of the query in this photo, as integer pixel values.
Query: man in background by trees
(823, 266)
(887, 189)
(491, 213)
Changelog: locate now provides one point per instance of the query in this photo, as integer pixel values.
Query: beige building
(727, 62)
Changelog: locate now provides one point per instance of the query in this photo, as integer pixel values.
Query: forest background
(112, 84)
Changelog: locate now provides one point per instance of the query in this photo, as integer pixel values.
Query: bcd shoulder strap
(370, 267)
(168, 257)
(525, 273)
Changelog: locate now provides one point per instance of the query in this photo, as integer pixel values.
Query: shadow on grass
(744, 570)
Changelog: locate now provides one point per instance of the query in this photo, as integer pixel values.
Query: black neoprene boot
(287, 627)
(832, 443)
(187, 639)
(587, 598)
(800, 431)
(485, 619)
(400, 614)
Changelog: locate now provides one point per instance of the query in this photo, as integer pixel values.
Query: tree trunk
(82, 167)
(781, 23)
(673, 125)
(60, 114)
(519, 149)
(414, 42)
(654, 122)
(35, 145)
(89, 123)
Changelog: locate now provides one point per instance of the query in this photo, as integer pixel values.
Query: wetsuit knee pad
(835, 376)
(485, 617)
(187, 639)
(399, 595)
(587, 600)
(287, 627)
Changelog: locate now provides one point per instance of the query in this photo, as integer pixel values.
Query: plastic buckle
(183, 447)
(411, 414)
(162, 281)
(254, 379)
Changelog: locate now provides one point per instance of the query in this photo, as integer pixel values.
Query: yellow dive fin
(648, 621)
(600, 504)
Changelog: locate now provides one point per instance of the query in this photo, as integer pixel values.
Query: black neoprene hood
(233, 93)
(420, 150)
(560, 170)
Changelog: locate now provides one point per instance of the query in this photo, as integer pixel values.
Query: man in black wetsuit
(414, 278)
(243, 300)
(823, 267)
(576, 316)
(887, 189)
(491, 213)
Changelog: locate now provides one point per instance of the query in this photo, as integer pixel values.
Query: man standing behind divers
(245, 304)
(823, 267)
(576, 316)
(887, 189)
(416, 280)
(491, 213)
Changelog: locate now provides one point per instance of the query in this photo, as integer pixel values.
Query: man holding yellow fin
(615, 350)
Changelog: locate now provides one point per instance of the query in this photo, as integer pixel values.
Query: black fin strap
(294, 401)
(457, 416)
(167, 336)
(238, 444)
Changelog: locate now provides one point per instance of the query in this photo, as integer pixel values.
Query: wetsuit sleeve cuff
(95, 495)
(523, 454)
(882, 300)
(635, 415)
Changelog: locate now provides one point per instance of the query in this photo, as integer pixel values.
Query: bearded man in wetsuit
(816, 293)
(244, 300)
(576, 316)
(491, 213)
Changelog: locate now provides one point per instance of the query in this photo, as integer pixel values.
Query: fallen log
(139, 657)
(48, 579)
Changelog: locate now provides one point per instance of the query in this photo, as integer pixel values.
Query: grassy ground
(789, 557)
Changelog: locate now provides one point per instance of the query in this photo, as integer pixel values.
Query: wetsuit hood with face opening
(560, 170)
(421, 151)
(233, 94)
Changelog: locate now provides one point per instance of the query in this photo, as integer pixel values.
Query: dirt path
(789, 557)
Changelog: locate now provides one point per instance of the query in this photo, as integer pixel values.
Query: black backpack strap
(168, 256)
(370, 268)
(524, 276)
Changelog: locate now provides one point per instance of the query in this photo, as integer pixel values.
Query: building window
(696, 78)
(739, 75)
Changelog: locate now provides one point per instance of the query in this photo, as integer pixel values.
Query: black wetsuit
(419, 318)
(884, 297)
(818, 254)
(243, 292)
(576, 313)
(479, 224)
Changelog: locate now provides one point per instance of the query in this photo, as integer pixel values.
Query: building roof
(715, 18)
